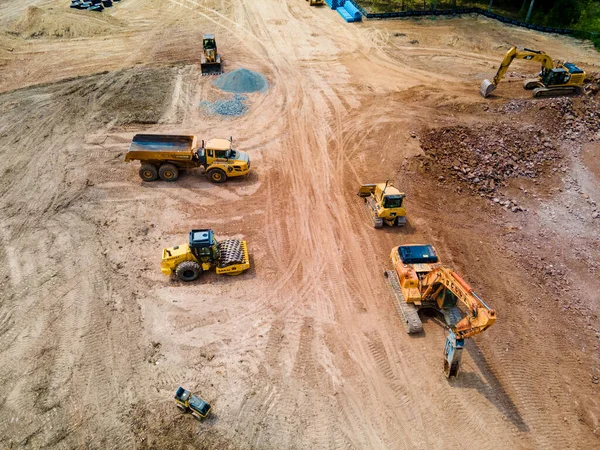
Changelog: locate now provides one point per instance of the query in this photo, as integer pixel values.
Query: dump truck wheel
(168, 172)
(217, 176)
(188, 271)
(148, 172)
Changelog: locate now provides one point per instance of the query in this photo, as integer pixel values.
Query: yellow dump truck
(164, 156)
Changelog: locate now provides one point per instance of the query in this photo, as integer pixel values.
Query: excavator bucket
(486, 88)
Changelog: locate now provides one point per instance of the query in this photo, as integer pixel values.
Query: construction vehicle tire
(148, 172)
(182, 408)
(188, 271)
(217, 176)
(168, 172)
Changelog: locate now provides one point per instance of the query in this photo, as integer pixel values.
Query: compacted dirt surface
(305, 350)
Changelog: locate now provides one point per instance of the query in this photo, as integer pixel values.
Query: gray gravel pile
(241, 81)
(235, 106)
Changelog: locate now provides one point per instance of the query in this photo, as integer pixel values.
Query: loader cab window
(392, 201)
(210, 153)
(209, 44)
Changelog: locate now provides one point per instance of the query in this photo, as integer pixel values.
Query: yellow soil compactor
(554, 78)
(186, 401)
(385, 204)
(204, 252)
(164, 156)
(210, 61)
(420, 281)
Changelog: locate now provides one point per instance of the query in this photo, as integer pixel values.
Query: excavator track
(554, 91)
(408, 313)
(377, 221)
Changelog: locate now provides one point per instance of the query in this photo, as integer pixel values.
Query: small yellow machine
(204, 252)
(554, 79)
(210, 61)
(165, 155)
(384, 203)
(316, 2)
(420, 281)
(186, 401)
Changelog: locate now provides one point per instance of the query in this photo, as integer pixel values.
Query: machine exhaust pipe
(486, 88)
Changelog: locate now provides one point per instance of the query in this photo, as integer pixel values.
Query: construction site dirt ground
(305, 350)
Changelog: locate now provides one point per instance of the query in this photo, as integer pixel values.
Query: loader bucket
(211, 68)
(486, 88)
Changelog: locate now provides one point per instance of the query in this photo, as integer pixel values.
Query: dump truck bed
(148, 147)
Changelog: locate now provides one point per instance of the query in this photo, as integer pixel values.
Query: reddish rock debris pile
(485, 158)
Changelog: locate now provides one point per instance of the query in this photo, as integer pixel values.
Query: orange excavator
(421, 281)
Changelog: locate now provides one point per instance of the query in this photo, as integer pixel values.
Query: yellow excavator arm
(479, 316)
(515, 53)
(527, 54)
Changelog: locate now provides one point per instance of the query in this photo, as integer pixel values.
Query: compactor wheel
(148, 172)
(188, 271)
(217, 176)
(168, 172)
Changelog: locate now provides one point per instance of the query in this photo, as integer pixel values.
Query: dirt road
(305, 350)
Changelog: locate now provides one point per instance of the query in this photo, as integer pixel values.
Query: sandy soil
(305, 350)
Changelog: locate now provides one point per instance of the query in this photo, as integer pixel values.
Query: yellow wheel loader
(210, 61)
(384, 203)
(420, 281)
(204, 252)
(316, 2)
(164, 156)
(186, 401)
(554, 79)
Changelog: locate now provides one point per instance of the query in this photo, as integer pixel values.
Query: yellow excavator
(554, 79)
(420, 281)
(385, 204)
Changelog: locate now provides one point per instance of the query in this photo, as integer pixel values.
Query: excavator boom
(478, 315)
(488, 86)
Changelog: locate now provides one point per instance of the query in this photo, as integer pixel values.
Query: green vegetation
(580, 15)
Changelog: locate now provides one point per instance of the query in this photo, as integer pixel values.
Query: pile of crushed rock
(484, 158)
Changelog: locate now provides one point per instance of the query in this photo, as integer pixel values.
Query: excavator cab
(555, 77)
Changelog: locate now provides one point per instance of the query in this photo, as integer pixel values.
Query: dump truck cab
(186, 401)
(222, 161)
(385, 203)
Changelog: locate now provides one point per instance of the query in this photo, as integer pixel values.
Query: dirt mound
(485, 158)
(60, 22)
(242, 81)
